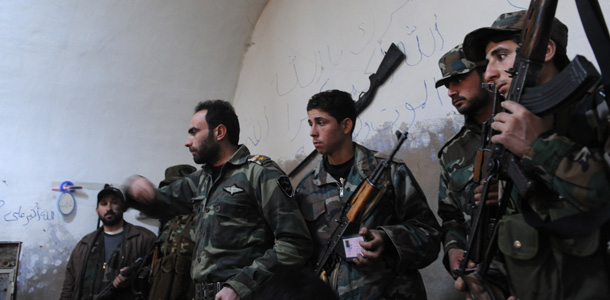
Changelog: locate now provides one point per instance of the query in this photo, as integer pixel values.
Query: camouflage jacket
(248, 224)
(573, 174)
(402, 213)
(456, 186)
(171, 268)
(178, 235)
(575, 162)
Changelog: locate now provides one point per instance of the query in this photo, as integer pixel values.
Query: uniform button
(217, 208)
(207, 209)
(517, 244)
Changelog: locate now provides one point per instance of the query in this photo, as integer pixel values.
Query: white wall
(92, 92)
(300, 48)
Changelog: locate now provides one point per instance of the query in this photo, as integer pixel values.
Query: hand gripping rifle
(388, 65)
(578, 77)
(109, 291)
(503, 165)
(357, 207)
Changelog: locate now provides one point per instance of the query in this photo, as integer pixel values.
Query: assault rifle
(388, 65)
(109, 291)
(574, 80)
(357, 208)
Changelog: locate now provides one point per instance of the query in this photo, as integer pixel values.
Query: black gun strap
(597, 33)
(569, 85)
(571, 226)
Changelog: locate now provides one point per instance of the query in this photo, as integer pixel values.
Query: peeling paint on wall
(42, 266)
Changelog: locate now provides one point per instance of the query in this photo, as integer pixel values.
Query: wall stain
(42, 267)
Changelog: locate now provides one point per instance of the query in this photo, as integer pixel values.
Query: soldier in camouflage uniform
(400, 235)
(171, 266)
(248, 224)
(570, 164)
(463, 79)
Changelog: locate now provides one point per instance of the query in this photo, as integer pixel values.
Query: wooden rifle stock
(365, 192)
(357, 208)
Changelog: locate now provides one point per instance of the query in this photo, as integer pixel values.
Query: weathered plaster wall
(300, 48)
(93, 92)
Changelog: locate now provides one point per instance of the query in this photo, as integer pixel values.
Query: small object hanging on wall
(66, 202)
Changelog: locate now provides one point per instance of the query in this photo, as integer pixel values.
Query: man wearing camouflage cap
(569, 164)
(463, 79)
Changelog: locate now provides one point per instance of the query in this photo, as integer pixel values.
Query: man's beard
(118, 217)
(208, 151)
(476, 103)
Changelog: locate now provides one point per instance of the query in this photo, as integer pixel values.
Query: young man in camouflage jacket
(463, 79)
(248, 224)
(400, 235)
(569, 163)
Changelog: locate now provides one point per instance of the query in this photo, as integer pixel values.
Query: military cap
(455, 63)
(110, 190)
(176, 172)
(476, 41)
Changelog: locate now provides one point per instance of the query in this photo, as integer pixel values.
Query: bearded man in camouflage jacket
(463, 79)
(399, 236)
(248, 224)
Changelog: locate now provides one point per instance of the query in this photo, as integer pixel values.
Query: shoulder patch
(258, 159)
(285, 185)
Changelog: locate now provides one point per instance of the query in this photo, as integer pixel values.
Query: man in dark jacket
(98, 258)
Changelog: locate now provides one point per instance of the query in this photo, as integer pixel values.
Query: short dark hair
(221, 112)
(338, 104)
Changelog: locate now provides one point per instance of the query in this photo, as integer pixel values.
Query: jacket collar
(240, 157)
(364, 162)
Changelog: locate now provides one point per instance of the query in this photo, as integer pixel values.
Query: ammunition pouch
(536, 261)
(171, 278)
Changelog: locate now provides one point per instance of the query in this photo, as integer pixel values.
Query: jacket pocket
(516, 238)
(578, 246)
(234, 224)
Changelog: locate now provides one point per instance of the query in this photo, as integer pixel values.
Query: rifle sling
(572, 82)
(597, 34)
